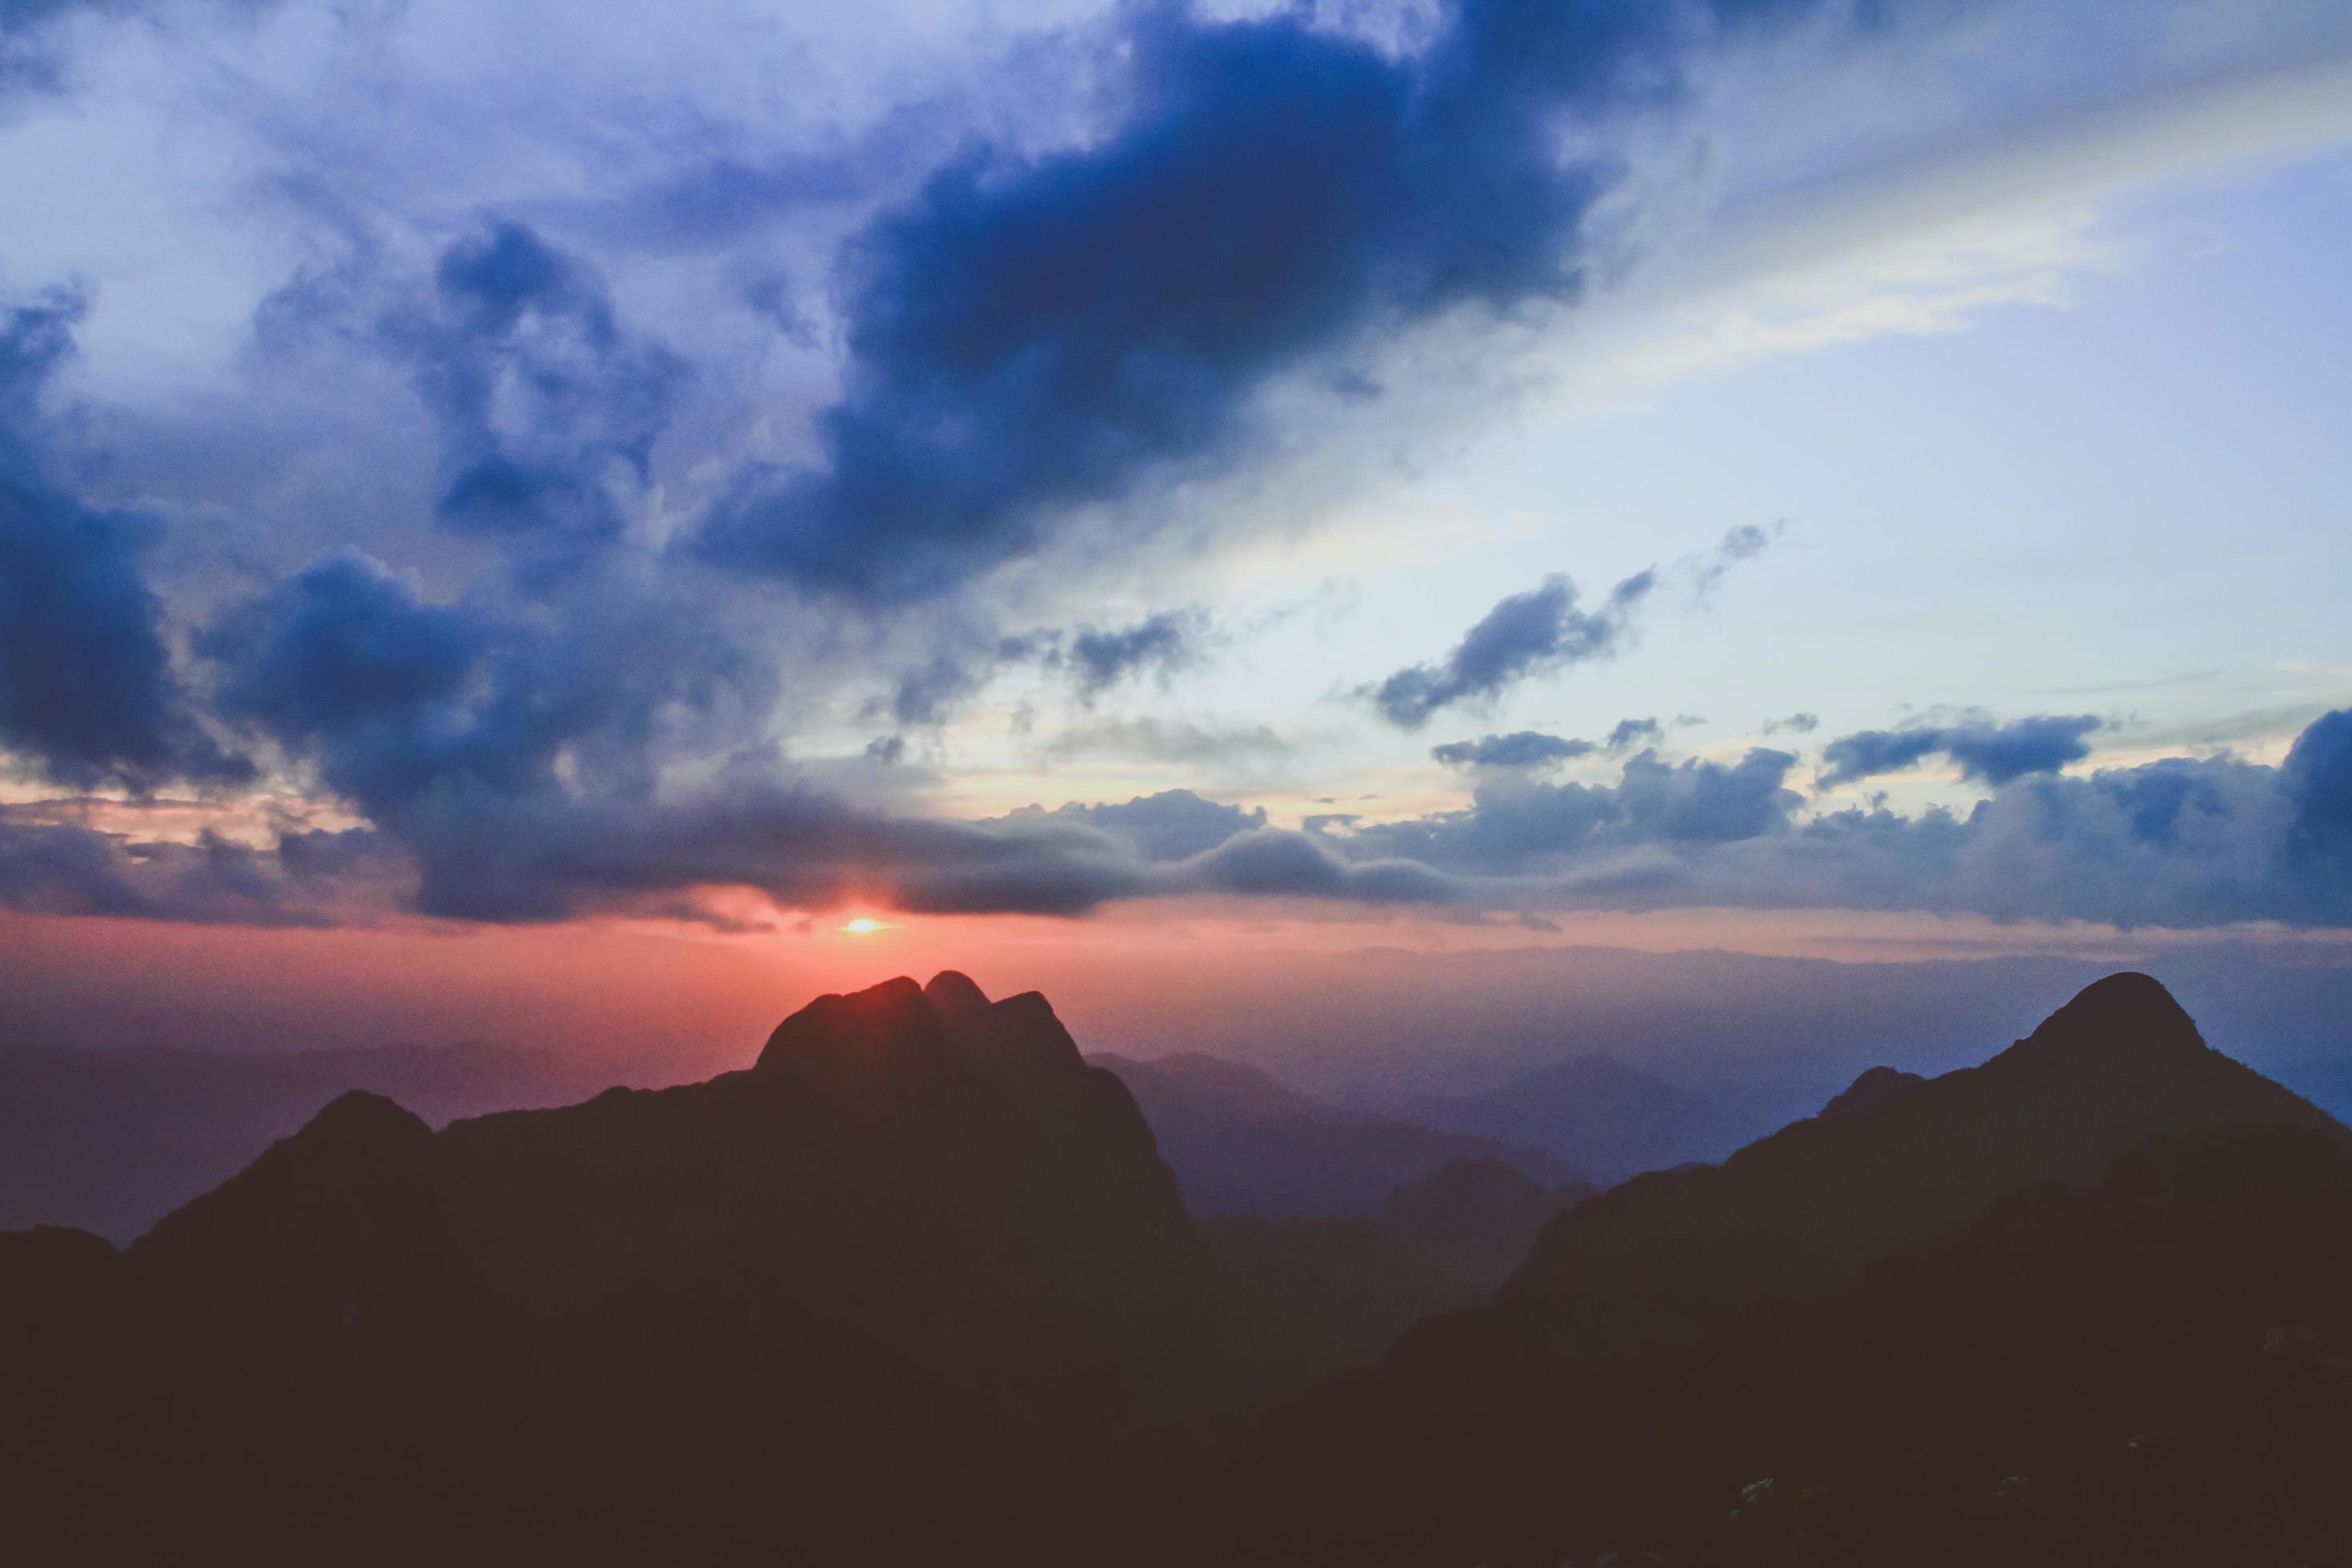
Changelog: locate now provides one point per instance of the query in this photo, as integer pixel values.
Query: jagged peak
(885, 1022)
(952, 992)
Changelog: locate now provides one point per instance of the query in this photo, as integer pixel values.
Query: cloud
(87, 689)
(2318, 776)
(1033, 335)
(2178, 842)
(1270, 863)
(1983, 750)
(1152, 739)
(1095, 659)
(1521, 749)
(1544, 631)
(1632, 733)
(1536, 632)
(1171, 825)
(317, 879)
(1100, 659)
(1794, 723)
(1744, 542)
(1518, 825)
(545, 408)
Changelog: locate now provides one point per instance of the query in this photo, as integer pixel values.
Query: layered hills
(919, 1286)
(1935, 1270)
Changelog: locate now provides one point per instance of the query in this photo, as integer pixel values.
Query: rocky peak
(955, 997)
(2128, 1011)
(889, 1025)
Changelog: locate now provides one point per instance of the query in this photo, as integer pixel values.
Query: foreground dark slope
(916, 1285)
(1905, 1277)
(1344, 1287)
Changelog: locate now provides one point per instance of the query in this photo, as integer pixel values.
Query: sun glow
(863, 926)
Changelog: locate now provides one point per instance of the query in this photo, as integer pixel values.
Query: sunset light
(1607, 745)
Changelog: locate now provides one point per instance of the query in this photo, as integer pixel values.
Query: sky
(527, 493)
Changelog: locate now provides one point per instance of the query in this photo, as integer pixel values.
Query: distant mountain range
(1244, 1144)
(1605, 1119)
(112, 1139)
(917, 1288)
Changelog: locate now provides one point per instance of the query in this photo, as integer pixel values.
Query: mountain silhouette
(916, 1284)
(1874, 1085)
(1244, 1144)
(1592, 1112)
(2127, 1210)
(917, 1287)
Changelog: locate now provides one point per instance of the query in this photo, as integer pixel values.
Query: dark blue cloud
(1027, 336)
(548, 410)
(344, 662)
(1701, 801)
(88, 693)
(1528, 634)
(2319, 784)
(1102, 658)
(1989, 753)
(1521, 749)
(443, 721)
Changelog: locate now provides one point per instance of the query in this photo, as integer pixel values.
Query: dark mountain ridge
(917, 1287)
(920, 1268)
(1690, 1332)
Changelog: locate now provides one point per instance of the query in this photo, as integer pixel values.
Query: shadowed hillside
(916, 1282)
(1878, 1317)
(1345, 1287)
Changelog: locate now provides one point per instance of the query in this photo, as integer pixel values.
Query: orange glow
(861, 926)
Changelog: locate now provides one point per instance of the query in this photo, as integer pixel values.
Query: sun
(863, 926)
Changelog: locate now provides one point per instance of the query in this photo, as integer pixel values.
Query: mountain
(1593, 1112)
(1875, 1085)
(112, 1139)
(1344, 1288)
(1244, 1144)
(1887, 1334)
(914, 1287)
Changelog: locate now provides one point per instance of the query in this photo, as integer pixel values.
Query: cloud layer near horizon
(2179, 842)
